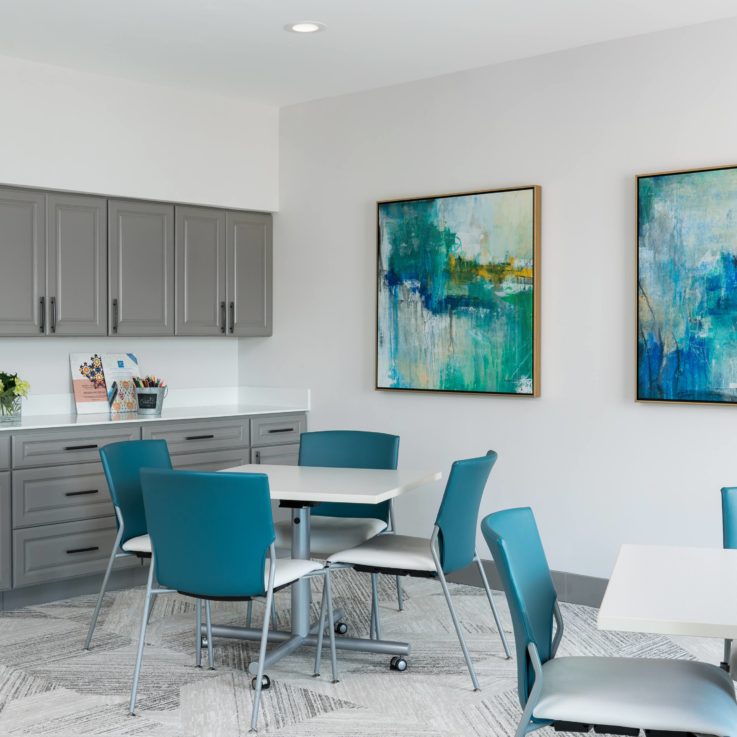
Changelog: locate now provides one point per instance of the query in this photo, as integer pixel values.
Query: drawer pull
(81, 493)
(83, 550)
(281, 429)
(199, 437)
(91, 446)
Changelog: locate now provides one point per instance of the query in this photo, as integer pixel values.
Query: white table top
(351, 485)
(672, 591)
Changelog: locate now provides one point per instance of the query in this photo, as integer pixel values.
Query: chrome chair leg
(141, 639)
(400, 594)
(98, 606)
(331, 627)
(249, 612)
(375, 597)
(494, 611)
(320, 633)
(198, 634)
(273, 609)
(208, 624)
(459, 631)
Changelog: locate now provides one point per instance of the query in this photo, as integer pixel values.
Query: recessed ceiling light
(306, 26)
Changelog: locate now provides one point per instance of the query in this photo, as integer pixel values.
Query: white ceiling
(239, 47)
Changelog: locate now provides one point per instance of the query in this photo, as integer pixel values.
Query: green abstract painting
(458, 293)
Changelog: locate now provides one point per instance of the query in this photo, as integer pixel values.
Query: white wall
(70, 130)
(598, 468)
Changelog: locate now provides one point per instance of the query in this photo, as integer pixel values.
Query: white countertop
(672, 590)
(45, 422)
(346, 485)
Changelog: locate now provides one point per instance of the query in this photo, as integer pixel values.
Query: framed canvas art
(687, 286)
(458, 304)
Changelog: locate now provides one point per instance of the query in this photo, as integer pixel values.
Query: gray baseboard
(571, 587)
(56, 590)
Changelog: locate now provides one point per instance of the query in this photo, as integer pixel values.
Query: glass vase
(10, 409)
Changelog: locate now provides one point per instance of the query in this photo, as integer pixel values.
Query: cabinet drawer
(191, 437)
(4, 451)
(279, 455)
(53, 552)
(216, 460)
(57, 447)
(279, 430)
(60, 494)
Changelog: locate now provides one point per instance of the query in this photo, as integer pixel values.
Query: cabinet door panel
(250, 257)
(200, 269)
(279, 455)
(6, 534)
(23, 269)
(76, 228)
(141, 239)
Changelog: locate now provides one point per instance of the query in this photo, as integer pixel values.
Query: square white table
(299, 488)
(672, 590)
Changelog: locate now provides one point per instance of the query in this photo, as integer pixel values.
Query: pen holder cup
(151, 399)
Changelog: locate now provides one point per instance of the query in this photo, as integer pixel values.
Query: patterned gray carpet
(50, 686)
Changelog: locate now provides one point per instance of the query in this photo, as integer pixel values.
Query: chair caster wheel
(398, 663)
(265, 683)
(203, 643)
(341, 628)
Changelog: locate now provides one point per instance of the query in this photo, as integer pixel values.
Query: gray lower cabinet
(62, 447)
(76, 252)
(249, 273)
(6, 569)
(4, 452)
(217, 460)
(141, 257)
(201, 307)
(200, 435)
(279, 455)
(43, 496)
(53, 552)
(23, 268)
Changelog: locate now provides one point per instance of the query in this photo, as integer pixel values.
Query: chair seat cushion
(657, 694)
(399, 552)
(289, 570)
(328, 534)
(140, 544)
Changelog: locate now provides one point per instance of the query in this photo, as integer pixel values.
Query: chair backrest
(122, 463)
(729, 516)
(458, 516)
(350, 449)
(210, 532)
(515, 545)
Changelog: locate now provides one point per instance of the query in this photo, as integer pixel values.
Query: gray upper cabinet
(141, 258)
(201, 307)
(250, 265)
(23, 269)
(76, 237)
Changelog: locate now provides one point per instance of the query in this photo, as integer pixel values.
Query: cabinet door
(23, 265)
(277, 455)
(200, 267)
(141, 239)
(6, 534)
(76, 253)
(250, 256)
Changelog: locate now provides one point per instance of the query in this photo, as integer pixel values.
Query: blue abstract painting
(687, 286)
(457, 293)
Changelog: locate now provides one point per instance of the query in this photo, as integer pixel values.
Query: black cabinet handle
(281, 429)
(232, 317)
(199, 437)
(222, 317)
(42, 328)
(115, 315)
(81, 493)
(53, 314)
(91, 446)
(258, 456)
(83, 550)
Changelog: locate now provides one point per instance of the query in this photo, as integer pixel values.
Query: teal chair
(234, 559)
(336, 526)
(122, 463)
(729, 541)
(618, 695)
(451, 547)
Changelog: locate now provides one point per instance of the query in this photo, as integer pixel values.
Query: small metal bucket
(151, 399)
